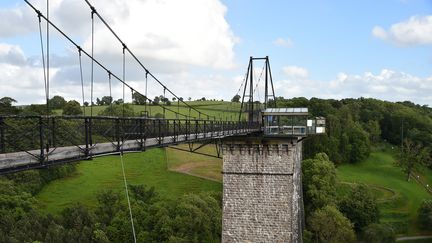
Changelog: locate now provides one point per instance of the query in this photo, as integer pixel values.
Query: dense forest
(354, 127)
(191, 218)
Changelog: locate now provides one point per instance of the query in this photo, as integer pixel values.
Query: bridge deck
(27, 142)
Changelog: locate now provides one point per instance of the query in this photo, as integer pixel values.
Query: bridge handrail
(30, 132)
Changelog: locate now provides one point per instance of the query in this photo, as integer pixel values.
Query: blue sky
(329, 36)
(328, 49)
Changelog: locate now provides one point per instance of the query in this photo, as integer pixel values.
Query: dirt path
(419, 237)
(188, 167)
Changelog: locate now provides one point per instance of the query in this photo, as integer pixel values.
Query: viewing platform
(291, 122)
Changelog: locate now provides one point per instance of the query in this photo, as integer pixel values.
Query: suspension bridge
(261, 146)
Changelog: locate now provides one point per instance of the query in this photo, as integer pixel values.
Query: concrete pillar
(262, 199)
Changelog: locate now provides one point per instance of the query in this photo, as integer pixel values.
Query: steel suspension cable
(90, 56)
(145, 104)
(48, 60)
(259, 79)
(110, 92)
(132, 54)
(165, 102)
(124, 79)
(82, 79)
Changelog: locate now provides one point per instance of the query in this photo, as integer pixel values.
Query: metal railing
(37, 139)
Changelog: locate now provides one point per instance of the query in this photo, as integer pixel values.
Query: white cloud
(295, 72)
(417, 30)
(288, 43)
(11, 54)
(20, 21)
(171, 38)
(387, 85)
(379, 32)
(192, 32)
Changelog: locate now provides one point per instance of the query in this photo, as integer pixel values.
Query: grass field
(220, 109)
(195, 164)
(398, 199)
(148, 168)
(173, 173)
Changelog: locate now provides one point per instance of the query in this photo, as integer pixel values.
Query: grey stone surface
(262, 193)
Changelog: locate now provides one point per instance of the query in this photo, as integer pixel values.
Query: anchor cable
(127, 195)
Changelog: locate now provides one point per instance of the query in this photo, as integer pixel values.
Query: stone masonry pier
(262, 199)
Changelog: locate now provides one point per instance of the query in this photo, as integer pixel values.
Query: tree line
(191, 218)
(353, 127)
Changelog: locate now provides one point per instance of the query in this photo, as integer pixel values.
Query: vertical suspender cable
(43, 55)
(92, 61)
(145, 104)
(110, 92)
(82, 79)
(132, 104)
(48, 49)
(165, 103)
(124, 80)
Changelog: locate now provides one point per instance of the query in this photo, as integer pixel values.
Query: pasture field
(398, 198)
(148, 168)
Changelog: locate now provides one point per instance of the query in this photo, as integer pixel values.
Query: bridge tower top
(251, 106)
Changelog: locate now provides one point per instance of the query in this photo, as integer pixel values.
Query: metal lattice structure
(37, 141)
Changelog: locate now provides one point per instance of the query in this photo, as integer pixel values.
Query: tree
(6, 107)
(86, 103)
(374, 130)
(109, 203)
(174, 99)
(379, 233)
(190, 98)
(163, 99)
(410, 157)
(72, 108)
(319, 181)
(360, 207)
(106, 100)
(356, 141)
(425, 214)
(118, 102)
(7, 101)
(236, 98)
(141, 193)
(36, 110)
(78, 222)
(138, 98)
(57, 102)
(156, 100)
(118, 110)
(329, 225)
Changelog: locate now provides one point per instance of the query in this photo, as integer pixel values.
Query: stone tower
(262, 194)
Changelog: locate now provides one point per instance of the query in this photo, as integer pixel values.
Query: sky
(201, 48)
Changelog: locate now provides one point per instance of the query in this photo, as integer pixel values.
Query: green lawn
(398, 200)
(220, 109)
(195, 164)
(102, 173)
